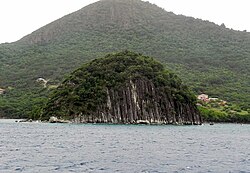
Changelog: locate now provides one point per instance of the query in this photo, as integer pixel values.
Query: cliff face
(124, 88)
(141, 102)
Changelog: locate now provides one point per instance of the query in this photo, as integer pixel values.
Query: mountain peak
(211, 58)
(99, 15)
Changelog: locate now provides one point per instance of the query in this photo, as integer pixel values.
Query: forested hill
(126, 88)
(210, 58)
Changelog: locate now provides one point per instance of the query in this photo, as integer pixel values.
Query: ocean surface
(63, 148)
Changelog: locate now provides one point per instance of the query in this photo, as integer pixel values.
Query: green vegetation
(207, 57)
(221, 111)
(85, 90)
(22, 103)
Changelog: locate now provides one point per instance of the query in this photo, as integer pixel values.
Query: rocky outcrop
(56, 120)
(140, 102)
(123, 88)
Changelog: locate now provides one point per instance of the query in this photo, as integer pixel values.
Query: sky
(21, 17)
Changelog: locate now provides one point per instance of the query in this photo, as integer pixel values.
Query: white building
(2, 91)
(203, 97)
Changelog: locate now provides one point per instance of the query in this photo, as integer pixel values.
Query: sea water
(41, 147)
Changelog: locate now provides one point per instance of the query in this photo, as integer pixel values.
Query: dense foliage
(86, 88)
(214, 111)
(209, 58)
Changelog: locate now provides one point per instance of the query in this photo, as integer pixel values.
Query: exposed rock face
(139, 102)
(125, 88)
(56, 120)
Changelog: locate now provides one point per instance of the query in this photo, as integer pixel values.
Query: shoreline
(97, 123)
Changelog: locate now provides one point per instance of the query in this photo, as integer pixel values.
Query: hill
(123, 88)
(211, 59)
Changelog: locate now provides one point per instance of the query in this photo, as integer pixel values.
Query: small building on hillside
(2, 91)
(203, 97)
(42, 81)
(213, 99)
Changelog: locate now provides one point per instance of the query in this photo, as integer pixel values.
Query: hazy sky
(20, 17)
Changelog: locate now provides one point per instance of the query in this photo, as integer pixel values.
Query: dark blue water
(37, 147)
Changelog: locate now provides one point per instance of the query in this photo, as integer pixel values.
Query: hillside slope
(211, 58)
(125, 87)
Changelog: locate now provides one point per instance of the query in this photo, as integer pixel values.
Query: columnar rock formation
(124, 88)
(141, 102)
